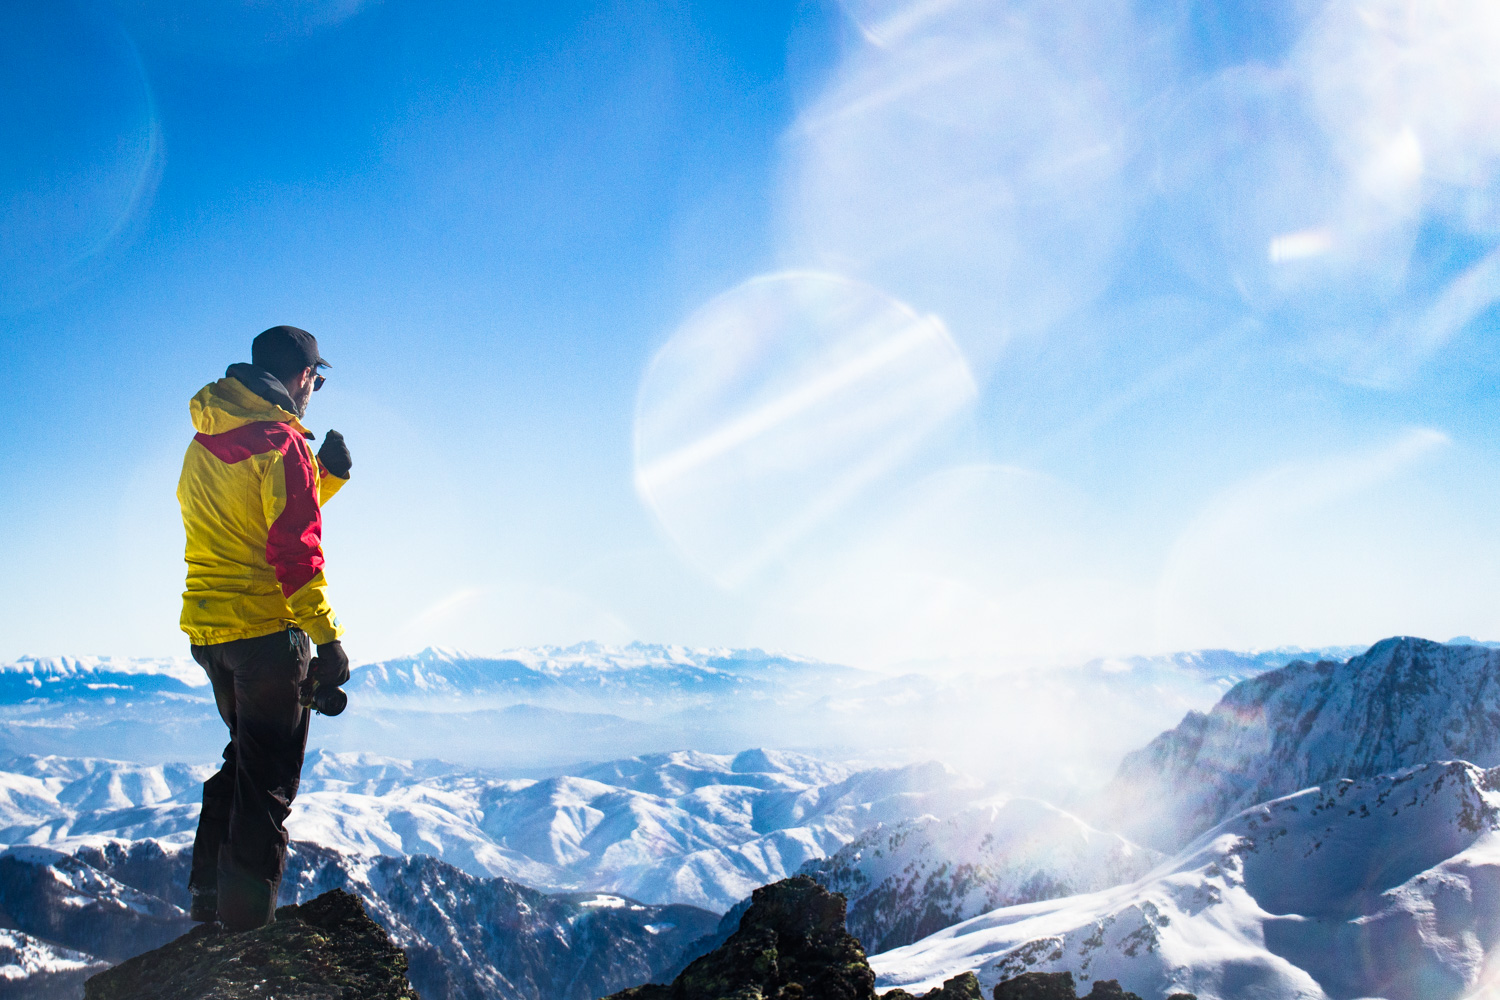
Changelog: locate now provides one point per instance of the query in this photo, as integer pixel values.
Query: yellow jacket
(251, 492)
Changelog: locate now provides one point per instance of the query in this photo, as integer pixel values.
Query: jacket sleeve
(328, 485)
(294, 539)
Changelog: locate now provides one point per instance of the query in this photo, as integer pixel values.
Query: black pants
(240, 849)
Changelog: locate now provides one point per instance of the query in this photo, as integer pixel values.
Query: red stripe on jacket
(294, 541)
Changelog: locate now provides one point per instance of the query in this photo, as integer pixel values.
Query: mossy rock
(325, 949)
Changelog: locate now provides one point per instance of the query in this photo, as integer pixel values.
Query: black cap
(285, 350)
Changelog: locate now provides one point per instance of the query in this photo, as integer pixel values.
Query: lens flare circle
(780, 403)
(971, 154)
(80, 147)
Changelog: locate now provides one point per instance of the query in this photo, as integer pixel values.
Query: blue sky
(926, 332)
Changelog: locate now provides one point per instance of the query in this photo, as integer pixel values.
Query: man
(255, 604)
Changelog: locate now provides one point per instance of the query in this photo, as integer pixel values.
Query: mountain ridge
(1404, 701)
(1378, 887)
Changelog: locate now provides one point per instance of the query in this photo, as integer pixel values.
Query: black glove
(331, 665)
(334, 455)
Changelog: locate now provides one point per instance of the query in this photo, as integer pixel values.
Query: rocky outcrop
(327, 949)
(1059, 986)
(790, 945)
(964, 986)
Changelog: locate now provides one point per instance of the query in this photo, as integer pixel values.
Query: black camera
(325, 699)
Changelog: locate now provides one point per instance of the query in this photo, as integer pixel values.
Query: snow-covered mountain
(906, 880)
(683, 827)
(467, 938)
(1383, 887)
(33, 969)
(97, 677)
(1406, 701)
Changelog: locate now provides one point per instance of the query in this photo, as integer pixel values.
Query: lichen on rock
(325, 949)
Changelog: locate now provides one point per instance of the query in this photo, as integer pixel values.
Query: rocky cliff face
(1404, 702)
(326, 949)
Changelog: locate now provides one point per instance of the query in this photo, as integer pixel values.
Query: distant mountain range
(546, 710)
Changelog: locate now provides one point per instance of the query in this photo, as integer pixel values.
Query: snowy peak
(93, 678)
(906, 880)
(1381, 887)
(1403, 702)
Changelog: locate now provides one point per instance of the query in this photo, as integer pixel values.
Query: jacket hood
(246, 394)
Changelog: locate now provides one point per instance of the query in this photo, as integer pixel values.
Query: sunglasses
(318, 381)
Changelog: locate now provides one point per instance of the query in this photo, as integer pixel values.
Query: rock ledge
(325, 949)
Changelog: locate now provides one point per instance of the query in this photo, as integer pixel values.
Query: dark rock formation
(1038, 986)
(327, 949)
(1109, 989)
(791, 943)
(961, 987)
(1059, 986)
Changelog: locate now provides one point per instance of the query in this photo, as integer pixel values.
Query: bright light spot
(1296, 246)
(1394, 169)
(781, 402)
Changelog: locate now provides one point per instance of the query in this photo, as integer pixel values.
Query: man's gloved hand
(334, 455)
(331, 665)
